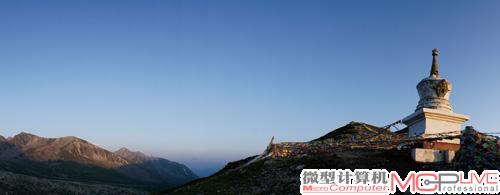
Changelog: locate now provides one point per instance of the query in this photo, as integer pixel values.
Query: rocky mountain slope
(76, 160)
(153, 169)
(354, 131)
(277, 170)
(65, 149)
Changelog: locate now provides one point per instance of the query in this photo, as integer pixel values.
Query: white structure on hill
(434, 114)
(434, 118)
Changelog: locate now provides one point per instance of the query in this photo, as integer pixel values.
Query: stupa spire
(435, 65)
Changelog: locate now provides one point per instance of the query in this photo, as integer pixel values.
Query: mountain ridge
(75, 159)
(68, 148)
(132, 156)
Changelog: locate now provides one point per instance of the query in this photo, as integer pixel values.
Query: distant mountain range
(71, 159)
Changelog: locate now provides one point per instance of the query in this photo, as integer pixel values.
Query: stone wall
(297, 149)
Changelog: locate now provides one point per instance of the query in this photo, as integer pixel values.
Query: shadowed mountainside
(153, 169)
(12, 183)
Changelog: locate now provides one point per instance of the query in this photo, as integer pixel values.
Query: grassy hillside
(11, 183)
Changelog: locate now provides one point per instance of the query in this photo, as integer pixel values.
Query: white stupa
(434, 115)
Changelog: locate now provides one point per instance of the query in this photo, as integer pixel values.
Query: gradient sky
(205, 82)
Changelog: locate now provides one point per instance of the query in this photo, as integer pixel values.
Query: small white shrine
(434, 116)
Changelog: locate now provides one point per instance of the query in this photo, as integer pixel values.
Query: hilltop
(354, 146)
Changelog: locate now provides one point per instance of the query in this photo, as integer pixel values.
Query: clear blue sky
(212, 81)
